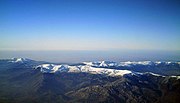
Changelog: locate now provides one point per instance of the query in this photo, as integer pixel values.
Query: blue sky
(90, 25)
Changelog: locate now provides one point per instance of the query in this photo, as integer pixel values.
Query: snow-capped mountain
(131, 63)
(51, 68)
(128, 63)
(104, 67)
(112, 68)
(25, 80)
(19, 60)
(102, 64)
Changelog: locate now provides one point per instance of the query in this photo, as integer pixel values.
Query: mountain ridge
(24, 82)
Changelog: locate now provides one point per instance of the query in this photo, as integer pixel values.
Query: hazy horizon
(81, 56)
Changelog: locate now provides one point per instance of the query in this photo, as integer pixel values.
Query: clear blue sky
(89, 24)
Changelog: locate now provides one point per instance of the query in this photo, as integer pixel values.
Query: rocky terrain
(28, 81)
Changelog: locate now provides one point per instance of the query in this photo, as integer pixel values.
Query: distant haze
(80, 56)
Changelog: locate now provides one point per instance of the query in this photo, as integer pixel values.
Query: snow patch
(51, 68)
(18, 60)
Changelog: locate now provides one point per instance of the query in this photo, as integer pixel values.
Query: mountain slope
(40, 82)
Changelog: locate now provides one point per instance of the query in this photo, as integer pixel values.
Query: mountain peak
(101, 64)
(19, 60)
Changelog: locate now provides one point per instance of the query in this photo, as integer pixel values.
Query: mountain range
(29, 81)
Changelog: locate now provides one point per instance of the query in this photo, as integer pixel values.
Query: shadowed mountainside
(21, 83)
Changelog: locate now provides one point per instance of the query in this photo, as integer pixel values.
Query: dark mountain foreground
(21, 82)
